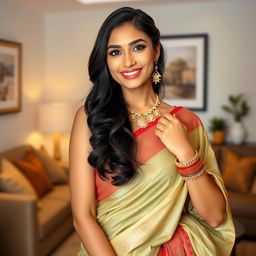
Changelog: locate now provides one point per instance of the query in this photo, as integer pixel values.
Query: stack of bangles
(192, 169)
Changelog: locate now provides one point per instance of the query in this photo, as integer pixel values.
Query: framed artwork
(10, 76)
(185, 75)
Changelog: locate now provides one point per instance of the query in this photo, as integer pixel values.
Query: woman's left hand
(173, 134)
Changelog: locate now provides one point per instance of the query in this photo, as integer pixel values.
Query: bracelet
(191, 170)
(189, 166)
(195, 176)
(188, 163)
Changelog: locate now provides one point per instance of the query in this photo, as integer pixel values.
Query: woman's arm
(82, 187)
(205, 194)
(207, 199)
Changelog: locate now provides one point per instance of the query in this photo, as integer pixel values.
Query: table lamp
(56, 118)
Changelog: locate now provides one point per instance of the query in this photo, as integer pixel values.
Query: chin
(134, 84)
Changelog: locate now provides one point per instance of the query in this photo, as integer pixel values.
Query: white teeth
(131, 73)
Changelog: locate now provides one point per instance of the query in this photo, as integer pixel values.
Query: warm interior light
(55, 118)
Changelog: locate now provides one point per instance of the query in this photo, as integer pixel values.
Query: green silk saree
(141, 217)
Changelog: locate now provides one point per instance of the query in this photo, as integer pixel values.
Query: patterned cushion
(13, 181)
(238, 172)
(55, 171)
(33, 169)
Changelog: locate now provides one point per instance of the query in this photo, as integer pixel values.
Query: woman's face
(131, 56)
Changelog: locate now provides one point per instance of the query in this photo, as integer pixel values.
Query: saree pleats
(179, 245)
(142, 217)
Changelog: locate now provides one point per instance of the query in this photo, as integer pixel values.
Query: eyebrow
(131, 43)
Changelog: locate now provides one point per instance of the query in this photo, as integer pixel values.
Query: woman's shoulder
(80, 126)
(186, 116)
(189, 118)
(80, 112)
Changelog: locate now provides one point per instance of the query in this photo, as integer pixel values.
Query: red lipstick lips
(132, 73)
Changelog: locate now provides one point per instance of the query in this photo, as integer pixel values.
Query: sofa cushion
(60, 192)
(51, 214)
(242, 205)
(238, 172)
(13, 181)
(55, 171)
(16, 153)
(33, 169)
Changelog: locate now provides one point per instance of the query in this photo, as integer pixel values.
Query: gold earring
(156, 76)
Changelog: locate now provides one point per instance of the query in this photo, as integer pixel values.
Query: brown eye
(114, 53)
(139, 47)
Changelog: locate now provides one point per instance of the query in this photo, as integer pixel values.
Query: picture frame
(10, 76)
(185, 75)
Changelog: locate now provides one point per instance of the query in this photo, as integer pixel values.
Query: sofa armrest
(18, 224)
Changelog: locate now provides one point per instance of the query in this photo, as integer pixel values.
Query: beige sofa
(243, 205)
(30, 226)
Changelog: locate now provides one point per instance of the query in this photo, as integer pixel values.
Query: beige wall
(56, 48)
(232, 38)
(27, 27)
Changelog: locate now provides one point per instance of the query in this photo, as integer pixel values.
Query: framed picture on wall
(185, 75)
(10, 76)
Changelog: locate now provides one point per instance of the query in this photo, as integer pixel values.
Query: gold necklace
(143, 119)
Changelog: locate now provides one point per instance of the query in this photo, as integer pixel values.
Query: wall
(27, 27)
(232, 37)
(56, 48)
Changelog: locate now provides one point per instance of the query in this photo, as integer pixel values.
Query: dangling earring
(156, 76)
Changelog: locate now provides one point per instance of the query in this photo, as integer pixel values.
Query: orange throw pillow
(33, 169)
(238, 172)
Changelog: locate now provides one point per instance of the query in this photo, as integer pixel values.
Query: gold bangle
(195, 176)
(193, 160)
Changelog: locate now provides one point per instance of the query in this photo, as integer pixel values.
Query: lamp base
(56, 141)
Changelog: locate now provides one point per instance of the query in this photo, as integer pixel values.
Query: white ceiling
(49, 6)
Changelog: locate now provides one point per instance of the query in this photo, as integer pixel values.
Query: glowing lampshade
(56, 118)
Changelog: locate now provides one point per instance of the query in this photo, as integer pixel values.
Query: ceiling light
(101, 1)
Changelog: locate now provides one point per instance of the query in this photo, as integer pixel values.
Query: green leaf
(227, 109)
(217, 124)
(238, 109)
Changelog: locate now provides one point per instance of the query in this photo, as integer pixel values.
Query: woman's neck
(140, 100)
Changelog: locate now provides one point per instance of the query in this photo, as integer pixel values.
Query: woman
(144, 179)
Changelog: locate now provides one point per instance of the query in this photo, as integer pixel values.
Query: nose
(129, 60)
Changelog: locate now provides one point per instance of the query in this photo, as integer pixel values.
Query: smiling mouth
(131, 74)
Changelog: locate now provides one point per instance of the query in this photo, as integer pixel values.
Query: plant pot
(237, 133)
(218, 136)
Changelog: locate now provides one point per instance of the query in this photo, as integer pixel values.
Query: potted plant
(218, 128)
(238, 108)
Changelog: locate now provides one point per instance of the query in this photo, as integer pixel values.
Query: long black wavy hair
(112, 140)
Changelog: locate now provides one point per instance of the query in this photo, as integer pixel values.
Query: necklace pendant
(142, 122)
(151, 118)
(143, 119)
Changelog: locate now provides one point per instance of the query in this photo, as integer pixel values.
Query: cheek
(149, 63)
(112, 66)
(148, 60)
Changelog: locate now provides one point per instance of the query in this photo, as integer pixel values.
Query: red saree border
(150, 124)
(179, 242)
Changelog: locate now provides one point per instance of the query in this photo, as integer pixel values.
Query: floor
(71, 246)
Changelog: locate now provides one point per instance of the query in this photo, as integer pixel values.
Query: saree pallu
(153, 214)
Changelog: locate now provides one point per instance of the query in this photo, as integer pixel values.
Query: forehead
(126, 33)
